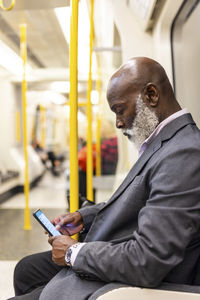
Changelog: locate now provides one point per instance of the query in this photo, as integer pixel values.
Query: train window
(185, 47)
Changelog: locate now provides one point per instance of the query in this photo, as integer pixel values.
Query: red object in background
(82, 157)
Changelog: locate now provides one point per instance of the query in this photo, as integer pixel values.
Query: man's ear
(151, 94)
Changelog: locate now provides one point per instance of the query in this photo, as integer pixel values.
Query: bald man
(149, 231)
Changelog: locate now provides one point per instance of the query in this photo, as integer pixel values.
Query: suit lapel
(166, 133)
(135, 170)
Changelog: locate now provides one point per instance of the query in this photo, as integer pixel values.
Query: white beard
(143, 125)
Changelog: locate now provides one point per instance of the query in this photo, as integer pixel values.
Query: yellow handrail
(33, 130)
(79, 103)
(73, 135)
(18, 136)
(23, 50)
(99, 118)
(42, 122)
(89, 113)
(55, 122)
(98, 122)
(98, 147)
(9, 7)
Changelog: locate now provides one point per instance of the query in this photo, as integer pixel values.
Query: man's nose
(119, 123)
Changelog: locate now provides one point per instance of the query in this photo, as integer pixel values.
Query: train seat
(115, 291)
(8, 175)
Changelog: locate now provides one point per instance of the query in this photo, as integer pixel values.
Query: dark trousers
(31, 275)
(37, 277)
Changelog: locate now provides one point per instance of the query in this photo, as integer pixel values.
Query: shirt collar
(160, 126)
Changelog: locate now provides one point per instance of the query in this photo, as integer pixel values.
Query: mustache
(127, 132)
(143, 125)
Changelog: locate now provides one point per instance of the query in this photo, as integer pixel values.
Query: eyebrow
(115, 106)
(118, 103)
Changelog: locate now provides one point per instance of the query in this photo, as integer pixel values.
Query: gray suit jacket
(149, 231)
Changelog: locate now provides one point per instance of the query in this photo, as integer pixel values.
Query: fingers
(65, 221)
(60, 244)
(51, 239)
(56, 220)
(65, 240)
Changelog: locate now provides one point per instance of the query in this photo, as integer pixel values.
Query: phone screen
(45, 222)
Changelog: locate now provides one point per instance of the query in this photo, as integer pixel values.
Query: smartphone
(46, 223)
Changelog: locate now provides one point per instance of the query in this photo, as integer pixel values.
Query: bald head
(136, 74)
(145, 76)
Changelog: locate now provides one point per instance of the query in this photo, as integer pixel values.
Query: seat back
(130, 293)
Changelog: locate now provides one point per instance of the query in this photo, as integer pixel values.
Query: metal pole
(18, 136)
(23, 48)
(98, 135)
(89, 113)
(43, 125)
(73, 136)
(79, 103)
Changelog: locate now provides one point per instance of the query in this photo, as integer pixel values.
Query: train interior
(164, 30)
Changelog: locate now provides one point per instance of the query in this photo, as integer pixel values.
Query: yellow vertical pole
(55, 121)
(33, 130)
(18, 136)
(98, 127)
(89, 113)
(42, 122)
(73, 135)
(23, 49)
(98, 147)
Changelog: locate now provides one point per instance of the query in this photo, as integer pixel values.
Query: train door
(185, 43)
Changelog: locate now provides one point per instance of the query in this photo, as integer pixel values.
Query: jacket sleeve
(88, 214)
(166, 226)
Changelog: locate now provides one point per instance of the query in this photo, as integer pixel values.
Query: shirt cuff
(75, 250)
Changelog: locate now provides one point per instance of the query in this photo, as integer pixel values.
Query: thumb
(51, 239)
(65, 221)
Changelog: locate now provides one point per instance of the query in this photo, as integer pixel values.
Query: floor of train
(50, 196)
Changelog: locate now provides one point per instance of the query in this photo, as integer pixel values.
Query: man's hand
(60, 245)
(69, 224)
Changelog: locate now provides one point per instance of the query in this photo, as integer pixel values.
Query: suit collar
(166, 133)
(174, 126)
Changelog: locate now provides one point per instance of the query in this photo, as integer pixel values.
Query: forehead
(120, 94)
(122, 83)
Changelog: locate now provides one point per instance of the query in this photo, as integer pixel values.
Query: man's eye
(119, 111)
